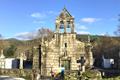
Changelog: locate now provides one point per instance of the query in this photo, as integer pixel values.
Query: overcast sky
(21, 17)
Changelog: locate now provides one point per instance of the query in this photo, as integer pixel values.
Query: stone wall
(64, 49)
(56, 54)
(17, 72)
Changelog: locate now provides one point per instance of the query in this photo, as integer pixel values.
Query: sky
(24, 17)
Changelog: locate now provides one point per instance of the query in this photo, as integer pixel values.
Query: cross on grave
(81, 61)
(82, 67)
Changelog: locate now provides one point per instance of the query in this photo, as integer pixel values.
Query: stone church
(64, 49)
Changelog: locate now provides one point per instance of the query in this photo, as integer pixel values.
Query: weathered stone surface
(64, 49)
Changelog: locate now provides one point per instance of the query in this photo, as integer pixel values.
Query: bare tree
(45, 33)
(117, 32)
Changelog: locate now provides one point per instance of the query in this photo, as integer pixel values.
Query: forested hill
(94, 37)
(101, 45)
(82, 38)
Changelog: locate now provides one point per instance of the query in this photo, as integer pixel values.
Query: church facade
(64, 49)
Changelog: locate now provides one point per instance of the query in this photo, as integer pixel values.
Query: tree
(107, 46)
(117, 32)
(10, 51)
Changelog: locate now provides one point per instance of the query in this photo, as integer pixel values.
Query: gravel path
(10, 78)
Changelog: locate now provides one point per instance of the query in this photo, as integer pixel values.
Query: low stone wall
(17, 72)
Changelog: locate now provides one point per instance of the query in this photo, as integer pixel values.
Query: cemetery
(64, 56)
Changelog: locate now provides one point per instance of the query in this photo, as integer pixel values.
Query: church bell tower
(64, 25)
(65, 37)
(65, 21)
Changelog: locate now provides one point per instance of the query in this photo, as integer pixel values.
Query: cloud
(43, 14)
(52, 12)
(26, 35)
(39, 21)
(41, 17)
(80, 27)
(104, 34)
(83, 32)
(89, 20)
(38, 15)
(29, 35)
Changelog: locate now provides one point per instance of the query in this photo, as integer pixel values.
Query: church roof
(64, 14)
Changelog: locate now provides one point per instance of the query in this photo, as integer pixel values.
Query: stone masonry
(64, 49)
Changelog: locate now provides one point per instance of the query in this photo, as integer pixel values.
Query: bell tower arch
(64, 21)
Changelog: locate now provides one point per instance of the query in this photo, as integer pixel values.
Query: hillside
(100, 43)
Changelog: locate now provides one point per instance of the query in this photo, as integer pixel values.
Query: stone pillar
(61, 40)
(72, 27)
(90, 55)
(36, 57)
(21, 61)
(65, 26)
(90, 58)
(2, 55)
(57, 27)
(2, 51)
(57, 31)
(57, 23)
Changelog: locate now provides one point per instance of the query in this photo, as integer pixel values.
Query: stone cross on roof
(64, 14)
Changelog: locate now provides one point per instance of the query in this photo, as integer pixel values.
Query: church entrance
(66, 64)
